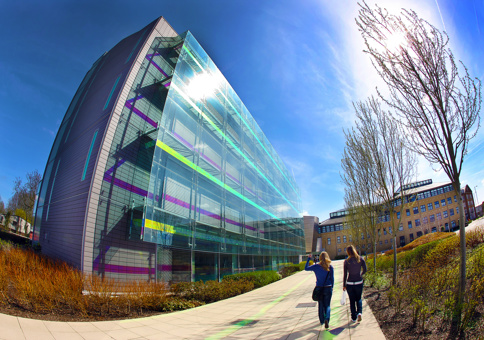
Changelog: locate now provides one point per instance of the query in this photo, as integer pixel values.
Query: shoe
(326, 324)
(359, 317)
(353, 321)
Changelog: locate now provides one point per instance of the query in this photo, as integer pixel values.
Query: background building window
(344, 238)
(451, 212)
(422, 208)
(408, 212)
(445, 214)
(415, 210)
(425, 220)
(430, 206)
(329, 240)
(439, 216)
(417, 222)
(436, 204)
(442, 202)
(432, 218)
(338, 239)
(401, 226)
(398, 215)
(449, 200)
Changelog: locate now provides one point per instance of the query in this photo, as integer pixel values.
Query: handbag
(318, 291)
(343, 298)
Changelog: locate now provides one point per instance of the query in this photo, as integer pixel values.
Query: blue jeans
(324, 305)
(356, 305)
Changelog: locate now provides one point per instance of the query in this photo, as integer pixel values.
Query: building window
(447, 227)
(386, 241)
(339, 250)
(381, 242)
(434, 229)
(344, 238)
(430, 206)
(351, 238)
(411, 237)
(398, 215)
(384, 231)
(456, 210)
(442, 202)
(436, 204)
(432, 218)
(455, 198)
(415, 210)
(338, 239)
(362, 236)
(402, 241)
(445, 214)
(422, 208)
(408, 212)
(329, 240)
(425, 220)
(400, 227)
(390, 230)
(417, 222)
(419, 233)
(439, 216)
(453, 224)
(449, 200)
(451, 212)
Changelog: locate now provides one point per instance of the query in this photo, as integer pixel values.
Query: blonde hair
(351, 251)
(324, 260)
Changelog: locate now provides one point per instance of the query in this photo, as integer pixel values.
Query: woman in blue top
(324, 278)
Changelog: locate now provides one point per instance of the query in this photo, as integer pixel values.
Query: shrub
(289, 270)
(259, 278)
(376, 280)
(211, 291)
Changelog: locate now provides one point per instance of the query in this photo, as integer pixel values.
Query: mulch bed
(399, 326)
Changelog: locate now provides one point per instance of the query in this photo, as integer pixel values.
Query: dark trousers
(324, 304)
(356, 305)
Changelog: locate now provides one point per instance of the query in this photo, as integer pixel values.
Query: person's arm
(363, 267)
(345, 274)
(331, 272)
(307, 263)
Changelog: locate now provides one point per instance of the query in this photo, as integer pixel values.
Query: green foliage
(289, 270)
(376, 280)
(302, 265)
(21, 213)
(211, 291)
(259, 278)
(175, 303)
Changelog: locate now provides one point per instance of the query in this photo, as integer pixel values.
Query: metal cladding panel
(60, 220)
(113, 232)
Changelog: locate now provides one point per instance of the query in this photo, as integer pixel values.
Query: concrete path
(282, 310)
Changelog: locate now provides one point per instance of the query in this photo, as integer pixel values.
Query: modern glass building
(159, 171)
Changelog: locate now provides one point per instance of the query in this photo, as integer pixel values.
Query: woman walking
(354, 269)
(324, 278)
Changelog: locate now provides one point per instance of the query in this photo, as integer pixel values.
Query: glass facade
(203, 191)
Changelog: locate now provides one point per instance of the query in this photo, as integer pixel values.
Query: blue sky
(297, 65)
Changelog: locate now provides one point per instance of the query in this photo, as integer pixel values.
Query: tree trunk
(394, 258)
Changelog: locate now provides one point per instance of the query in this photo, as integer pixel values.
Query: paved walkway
(282, 310)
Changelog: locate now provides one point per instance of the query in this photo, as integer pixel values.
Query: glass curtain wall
(217, 187)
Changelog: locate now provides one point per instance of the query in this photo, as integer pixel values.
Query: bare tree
(361, 200)
(394, 164)
(25, 193)
(437, 104)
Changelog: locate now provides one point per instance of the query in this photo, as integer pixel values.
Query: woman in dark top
(324, 278)
(354, 269)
